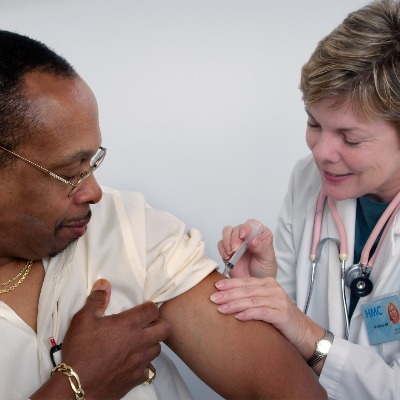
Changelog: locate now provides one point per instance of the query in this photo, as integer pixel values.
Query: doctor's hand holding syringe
(247, 250)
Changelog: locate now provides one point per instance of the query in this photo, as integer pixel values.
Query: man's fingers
(143, 314)
(99, 298)
(147, 316)
(159, 330)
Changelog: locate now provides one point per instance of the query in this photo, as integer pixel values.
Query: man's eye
(69, 178)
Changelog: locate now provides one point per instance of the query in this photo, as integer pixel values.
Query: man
(129, 257)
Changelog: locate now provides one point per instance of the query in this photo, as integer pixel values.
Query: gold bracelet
(70, 373)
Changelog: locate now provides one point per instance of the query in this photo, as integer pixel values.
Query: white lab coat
(353, 369)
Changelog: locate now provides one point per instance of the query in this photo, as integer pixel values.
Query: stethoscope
(357, 276)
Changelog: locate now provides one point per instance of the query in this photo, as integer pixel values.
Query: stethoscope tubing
(318, 252)
(315, 260)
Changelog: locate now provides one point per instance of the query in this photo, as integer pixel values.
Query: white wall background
(199, 100)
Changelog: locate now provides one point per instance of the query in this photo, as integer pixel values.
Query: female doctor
(330, 273)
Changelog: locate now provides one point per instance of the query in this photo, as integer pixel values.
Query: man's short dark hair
(20, 55)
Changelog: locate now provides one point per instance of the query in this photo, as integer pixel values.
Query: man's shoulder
(109, 193)
(113, 197)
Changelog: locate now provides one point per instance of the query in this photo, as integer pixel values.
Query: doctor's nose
(325, 148)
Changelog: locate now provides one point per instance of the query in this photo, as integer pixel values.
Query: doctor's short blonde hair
(359, 61)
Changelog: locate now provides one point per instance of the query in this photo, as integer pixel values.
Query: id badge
(382, 319)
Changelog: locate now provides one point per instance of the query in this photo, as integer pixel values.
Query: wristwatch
(322, 347)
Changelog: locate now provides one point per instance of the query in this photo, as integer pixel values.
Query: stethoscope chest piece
(357, 279)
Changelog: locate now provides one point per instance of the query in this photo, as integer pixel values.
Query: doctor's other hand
(264, 299)
(111, 353)
(259, 259)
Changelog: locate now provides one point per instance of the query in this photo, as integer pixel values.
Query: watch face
(324, 345)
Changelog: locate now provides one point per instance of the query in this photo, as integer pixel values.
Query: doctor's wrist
(312, 333)
(321, 350)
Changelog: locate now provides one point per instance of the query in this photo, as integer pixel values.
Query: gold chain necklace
(21, 275)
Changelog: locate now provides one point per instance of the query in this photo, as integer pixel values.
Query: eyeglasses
(94, 163)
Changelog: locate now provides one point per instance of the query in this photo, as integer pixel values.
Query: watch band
(322, 347)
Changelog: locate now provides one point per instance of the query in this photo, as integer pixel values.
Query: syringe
(255, 230)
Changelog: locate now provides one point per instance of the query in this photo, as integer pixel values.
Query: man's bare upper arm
(237, 359)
